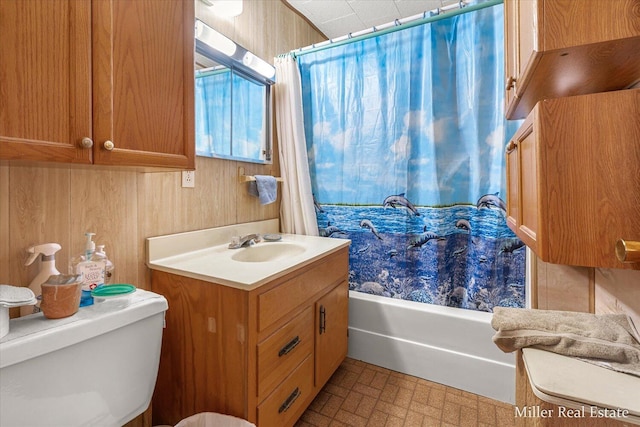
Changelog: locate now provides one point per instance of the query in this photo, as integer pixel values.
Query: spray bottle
(47, 268)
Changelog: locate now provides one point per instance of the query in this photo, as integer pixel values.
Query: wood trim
(297, 12)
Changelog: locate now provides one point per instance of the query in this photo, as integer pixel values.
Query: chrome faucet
(243, 241)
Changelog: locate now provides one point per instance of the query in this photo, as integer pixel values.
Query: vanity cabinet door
(331, 331)
(45, 80)
(143, 65)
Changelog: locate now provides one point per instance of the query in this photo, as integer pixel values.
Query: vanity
(254, 332)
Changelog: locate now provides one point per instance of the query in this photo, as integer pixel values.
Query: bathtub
(450, 346)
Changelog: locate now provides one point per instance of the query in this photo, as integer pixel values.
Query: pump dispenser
(47, 253)
(109, 267)
(91, 268)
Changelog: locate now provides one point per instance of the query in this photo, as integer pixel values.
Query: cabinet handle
(511, 146)
(511, 81)
(290, 346)
(628, 250)
(108, 145)
(86, 142)
(323, 319)
(292, 398)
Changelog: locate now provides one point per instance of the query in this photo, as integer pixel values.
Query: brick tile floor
(360, 395)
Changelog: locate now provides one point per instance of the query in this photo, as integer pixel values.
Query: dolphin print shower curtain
(405, 135)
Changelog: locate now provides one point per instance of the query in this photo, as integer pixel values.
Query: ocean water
(458, 256)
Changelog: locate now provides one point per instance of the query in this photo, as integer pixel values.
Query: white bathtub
(446, 345)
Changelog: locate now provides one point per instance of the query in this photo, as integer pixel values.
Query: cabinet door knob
(86, 142)
(511, 81)
(511, 146)
(108, 145)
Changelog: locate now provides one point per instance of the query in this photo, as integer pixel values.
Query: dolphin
(329, 230)
(317, 205)
(421, 239)
(363, 250)
(463, 224)
(459, 251)
(491, 201)
(365, 223)
(400, 200)
(511, 245)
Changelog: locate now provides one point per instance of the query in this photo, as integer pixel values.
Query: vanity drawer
(279, 301)
(288, 401)
(283, 350)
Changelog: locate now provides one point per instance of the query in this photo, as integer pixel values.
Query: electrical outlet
(188, 179)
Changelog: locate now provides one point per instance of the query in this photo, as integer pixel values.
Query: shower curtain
(405, 136)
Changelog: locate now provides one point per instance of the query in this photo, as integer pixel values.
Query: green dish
(106, 291)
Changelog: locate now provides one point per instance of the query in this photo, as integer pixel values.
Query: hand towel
(16, 296)
(607, 340)
(265, 188)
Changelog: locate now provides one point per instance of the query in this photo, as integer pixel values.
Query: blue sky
(418, 111)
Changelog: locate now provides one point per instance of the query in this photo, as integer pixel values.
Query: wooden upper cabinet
(143, 82)
(118, 72)
(556, 48)
(45, 80)
(576, 184)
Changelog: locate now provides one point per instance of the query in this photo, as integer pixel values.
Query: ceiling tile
(414, 7)
(336, 18)
(368, 11)
(329, 10)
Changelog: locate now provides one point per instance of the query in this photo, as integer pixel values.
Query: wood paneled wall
(595, 290)
(59, 203)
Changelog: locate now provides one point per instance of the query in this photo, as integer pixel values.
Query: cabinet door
(45, 80)
(528, 165)
(510, 50)
(513, 186)
(143, 82)
(331, 332)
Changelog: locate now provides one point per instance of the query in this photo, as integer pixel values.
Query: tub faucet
(243, 241)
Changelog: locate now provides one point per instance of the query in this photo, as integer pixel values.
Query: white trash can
(213, 419)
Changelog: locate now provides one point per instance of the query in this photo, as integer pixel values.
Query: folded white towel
(16, 296)
(265, 187)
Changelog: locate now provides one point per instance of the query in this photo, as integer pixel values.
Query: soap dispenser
(47, 253)
(91, 267)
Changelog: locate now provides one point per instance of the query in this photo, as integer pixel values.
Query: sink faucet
(243, 241)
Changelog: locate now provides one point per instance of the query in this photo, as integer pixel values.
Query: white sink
(264, 252)
(205, 254)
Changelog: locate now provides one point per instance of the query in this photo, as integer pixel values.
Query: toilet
(95, 368)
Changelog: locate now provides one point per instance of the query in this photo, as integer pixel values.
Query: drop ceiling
(335, 18)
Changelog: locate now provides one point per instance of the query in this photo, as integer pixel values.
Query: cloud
(401, 148)
(495, 140)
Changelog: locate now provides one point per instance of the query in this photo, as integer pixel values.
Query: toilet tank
(95, 368)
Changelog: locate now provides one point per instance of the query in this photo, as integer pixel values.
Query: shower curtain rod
(398, 24)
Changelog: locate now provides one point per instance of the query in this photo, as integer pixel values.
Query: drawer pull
(323, 319)
(292, 398)
(511, 146)
(290, 346)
